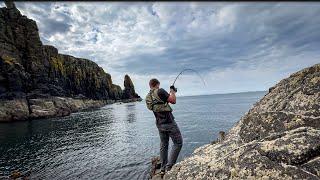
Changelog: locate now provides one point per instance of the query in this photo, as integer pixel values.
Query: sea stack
(277, 139)
(36, 81)
(129, 91)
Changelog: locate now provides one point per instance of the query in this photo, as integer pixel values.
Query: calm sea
(114, 142)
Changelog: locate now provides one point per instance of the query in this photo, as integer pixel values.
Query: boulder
(277, 139)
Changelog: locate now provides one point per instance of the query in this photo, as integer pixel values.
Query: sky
(235, 46)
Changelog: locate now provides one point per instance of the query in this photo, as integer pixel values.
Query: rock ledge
(277, 139)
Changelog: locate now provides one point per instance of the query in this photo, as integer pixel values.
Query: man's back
(163, 117)
(158, 101)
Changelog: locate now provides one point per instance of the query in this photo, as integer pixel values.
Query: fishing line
(188, 69)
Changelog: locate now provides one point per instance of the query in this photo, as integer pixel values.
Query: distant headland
(38, 82)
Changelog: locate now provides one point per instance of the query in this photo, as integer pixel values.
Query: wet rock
(155, 166)
(277, 139)
(15, 174)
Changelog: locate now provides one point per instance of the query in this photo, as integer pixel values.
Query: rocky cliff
(129, 91)
(279, 138)
(33, 73)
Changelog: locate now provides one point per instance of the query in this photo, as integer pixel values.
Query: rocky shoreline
(22, 109)
(36, 81)
(277, 139)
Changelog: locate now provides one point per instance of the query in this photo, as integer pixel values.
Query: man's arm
(166, 97)
(172, 98)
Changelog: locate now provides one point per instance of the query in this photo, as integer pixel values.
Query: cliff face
(73, 76)
(277, 139)
(31, 70)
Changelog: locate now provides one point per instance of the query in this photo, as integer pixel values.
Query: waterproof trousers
(166, 131)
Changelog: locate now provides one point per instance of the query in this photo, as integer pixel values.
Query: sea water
(116, 141)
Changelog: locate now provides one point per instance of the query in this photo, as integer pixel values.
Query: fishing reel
(173, 88)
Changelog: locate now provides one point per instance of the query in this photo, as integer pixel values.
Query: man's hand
(172, 97)
(172, 88)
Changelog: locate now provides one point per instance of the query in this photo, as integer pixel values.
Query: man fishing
(158, 101)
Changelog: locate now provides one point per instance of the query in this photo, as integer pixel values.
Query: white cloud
(236, 46)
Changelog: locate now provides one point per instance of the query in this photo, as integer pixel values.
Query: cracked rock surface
(279, 138)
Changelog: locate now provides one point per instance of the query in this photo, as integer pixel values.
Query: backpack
(154, 103)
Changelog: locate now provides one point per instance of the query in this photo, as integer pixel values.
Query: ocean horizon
(240, 92)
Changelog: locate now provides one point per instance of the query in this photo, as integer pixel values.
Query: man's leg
(164, 144)
(176, 137)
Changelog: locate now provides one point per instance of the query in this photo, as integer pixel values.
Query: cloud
(238, 46)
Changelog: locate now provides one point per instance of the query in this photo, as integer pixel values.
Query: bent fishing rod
(188, 69)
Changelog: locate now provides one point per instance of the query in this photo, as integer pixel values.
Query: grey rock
(60, 106)
(277, 139)
(13, 110)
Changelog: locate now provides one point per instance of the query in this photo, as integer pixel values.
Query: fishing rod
(188, 69)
